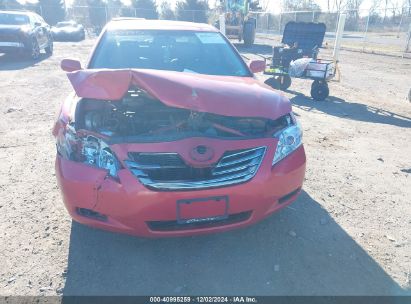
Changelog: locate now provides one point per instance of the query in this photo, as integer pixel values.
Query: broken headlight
(97, 153)
(89, 150)
(289, 139)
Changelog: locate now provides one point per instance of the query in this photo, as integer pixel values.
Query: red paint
(127, 203)
(130, 205)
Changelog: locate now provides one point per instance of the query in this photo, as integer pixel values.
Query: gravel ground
(347, 234)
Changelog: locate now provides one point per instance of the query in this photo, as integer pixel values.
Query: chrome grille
(168, 172)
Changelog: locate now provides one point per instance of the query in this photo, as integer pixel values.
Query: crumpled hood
(223, 95)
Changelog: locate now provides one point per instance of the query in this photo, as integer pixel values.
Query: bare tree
(385, 9)
(375, 6)
(339, 5)
(353, 7)
(396, 9)
(300, 5)
(166, 12)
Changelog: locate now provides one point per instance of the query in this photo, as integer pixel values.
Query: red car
(169, 134)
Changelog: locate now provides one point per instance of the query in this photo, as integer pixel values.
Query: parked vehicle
(239, 24)
(169, 134)
(25, 33)
(68, 31)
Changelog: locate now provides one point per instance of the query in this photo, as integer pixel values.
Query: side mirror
(70, 65)
(257, 66)
(37, 23)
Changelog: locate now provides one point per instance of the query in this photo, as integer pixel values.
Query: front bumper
(129, 207)
(9, 47)
(64, 36)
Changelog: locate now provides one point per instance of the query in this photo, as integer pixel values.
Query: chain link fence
(379, 31)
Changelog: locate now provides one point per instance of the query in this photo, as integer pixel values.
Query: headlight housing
(289, 139)
(89, 150)
(97, 153)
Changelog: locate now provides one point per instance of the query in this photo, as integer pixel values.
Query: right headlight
(289, 139)
(88, 150)
(97, 153)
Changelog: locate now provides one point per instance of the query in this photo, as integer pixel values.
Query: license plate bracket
(214, 208)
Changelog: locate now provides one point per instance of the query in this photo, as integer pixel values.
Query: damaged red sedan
(168, 133)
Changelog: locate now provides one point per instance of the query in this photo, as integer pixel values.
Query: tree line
(99, 11)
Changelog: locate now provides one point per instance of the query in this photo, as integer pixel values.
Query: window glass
(185, 51)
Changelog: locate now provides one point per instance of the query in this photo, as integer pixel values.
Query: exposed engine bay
(140, 118)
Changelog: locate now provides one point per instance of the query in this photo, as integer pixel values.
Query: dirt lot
(347, 234)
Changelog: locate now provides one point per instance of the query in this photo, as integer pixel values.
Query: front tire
(34, 52)
(49, 49)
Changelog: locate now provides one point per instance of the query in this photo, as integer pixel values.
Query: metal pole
(222, 24)
(338, 36)
(399, 27)
(366, 31)
(313, 16)
(336, 24)
(295, 16)
(106, 11)
(407, 45)
(279, 25)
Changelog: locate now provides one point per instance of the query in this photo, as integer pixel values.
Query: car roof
(144, 24)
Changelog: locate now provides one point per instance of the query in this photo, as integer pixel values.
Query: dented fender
(82, 182)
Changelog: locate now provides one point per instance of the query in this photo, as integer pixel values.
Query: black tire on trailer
(273, 82)
(249, 33)
(319, 90)
(285, 82)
